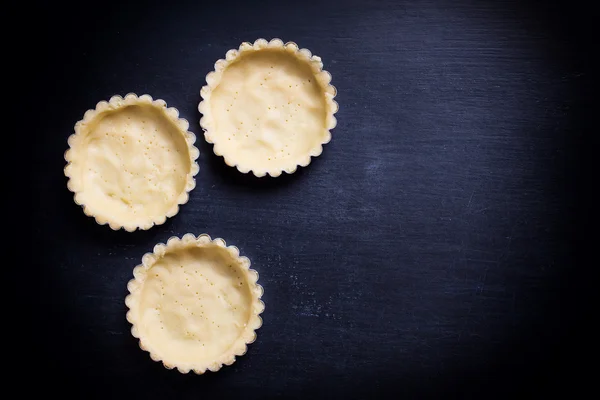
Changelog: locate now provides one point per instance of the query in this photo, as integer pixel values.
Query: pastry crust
(194, 303)
(131, 162)
(268, 107)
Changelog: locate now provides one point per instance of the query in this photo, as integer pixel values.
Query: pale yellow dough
(131, 163)
(270, 109)
(194, 303)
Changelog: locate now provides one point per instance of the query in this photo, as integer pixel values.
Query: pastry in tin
(194, 303)
(131, 162)
(268, 107)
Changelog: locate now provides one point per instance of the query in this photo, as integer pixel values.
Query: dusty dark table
(431, 249)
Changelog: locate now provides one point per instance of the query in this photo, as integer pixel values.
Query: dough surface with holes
(268, 109)
(133, 164)
(194, 304)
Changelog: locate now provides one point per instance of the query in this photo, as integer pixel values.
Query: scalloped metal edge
(115, 103)
(248, 336)
(323, 77)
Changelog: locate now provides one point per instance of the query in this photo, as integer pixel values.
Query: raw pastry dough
(268, 108)
(131, 162)
(194, 303)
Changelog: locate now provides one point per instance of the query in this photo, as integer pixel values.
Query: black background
(432, 249)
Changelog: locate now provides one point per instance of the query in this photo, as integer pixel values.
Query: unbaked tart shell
(194, 303)
(131, 162)
(268, 107)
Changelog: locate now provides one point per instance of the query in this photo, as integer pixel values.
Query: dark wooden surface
(430, 250)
